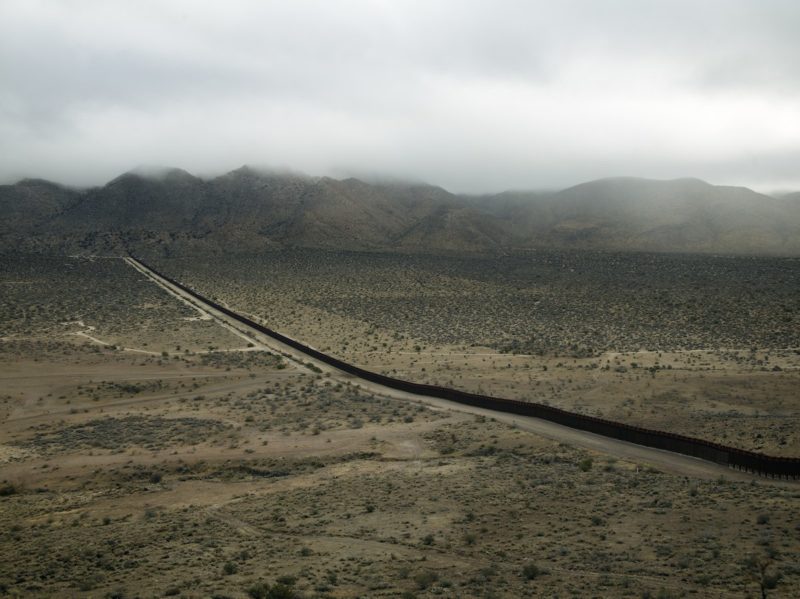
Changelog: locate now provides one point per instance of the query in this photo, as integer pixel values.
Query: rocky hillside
(638, 214)
(251, 209)
(26, 206)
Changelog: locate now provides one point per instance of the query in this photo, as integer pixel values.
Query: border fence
(740, 459)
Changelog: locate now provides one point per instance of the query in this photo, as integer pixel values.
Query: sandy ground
(666, 460)
(132, 474)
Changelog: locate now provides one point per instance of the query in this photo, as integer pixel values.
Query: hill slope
(252, 209)
(25, 207)
(685, 215)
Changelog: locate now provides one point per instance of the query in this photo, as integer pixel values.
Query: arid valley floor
(148, 451)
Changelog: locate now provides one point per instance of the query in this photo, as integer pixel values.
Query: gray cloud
(471, 95)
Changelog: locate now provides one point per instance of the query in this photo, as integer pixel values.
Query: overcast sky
(473, 96)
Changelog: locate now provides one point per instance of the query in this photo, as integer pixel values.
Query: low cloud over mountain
(253, 209)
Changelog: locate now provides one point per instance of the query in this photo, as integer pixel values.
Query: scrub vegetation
(133, 470)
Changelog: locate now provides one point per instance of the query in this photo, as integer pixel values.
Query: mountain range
(251, 209)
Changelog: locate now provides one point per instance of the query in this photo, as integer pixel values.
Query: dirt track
(662, 460)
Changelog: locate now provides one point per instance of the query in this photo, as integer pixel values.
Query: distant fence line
(773, 466)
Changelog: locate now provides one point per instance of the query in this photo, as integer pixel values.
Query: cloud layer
(475, 96)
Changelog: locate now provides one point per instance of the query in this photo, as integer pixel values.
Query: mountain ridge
(250, 208)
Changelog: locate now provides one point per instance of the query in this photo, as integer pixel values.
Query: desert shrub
(8, 489)
(531, 571)
(89, 583)
(771, 580)
(585, 465)
(279, 590)
(230, 568)
(258, 590)
(425, 579)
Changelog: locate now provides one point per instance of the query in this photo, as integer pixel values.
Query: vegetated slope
(26, 205)
(169, 202)
(290, 210)
(251, 209)
(638, 214)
